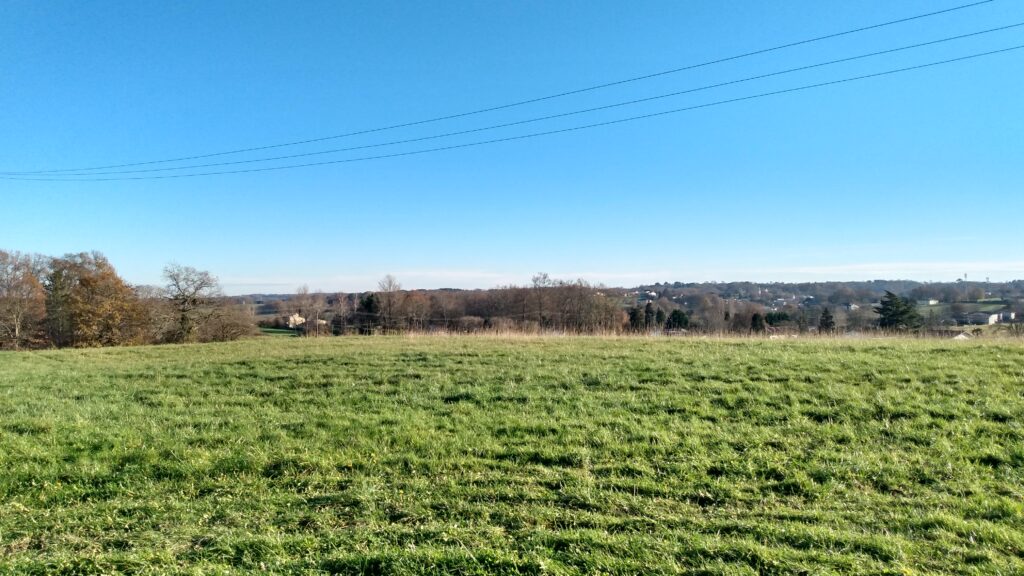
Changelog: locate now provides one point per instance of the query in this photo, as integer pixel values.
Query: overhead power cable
(521, 102)
(542, 118)
(535, 134)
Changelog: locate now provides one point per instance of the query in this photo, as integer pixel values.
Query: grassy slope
(486, 455)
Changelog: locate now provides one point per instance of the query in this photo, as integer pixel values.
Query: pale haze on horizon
(912, 175)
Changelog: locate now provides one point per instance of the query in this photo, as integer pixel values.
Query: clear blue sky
(917, 175)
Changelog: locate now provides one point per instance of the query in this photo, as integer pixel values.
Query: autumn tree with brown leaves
(88, 304)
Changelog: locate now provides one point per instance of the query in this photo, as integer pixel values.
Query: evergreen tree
(677, 320)
(659, 318)
(895, 313)
(827, 322)
(368, 312)
(757, 323)
(649, 316)
(636, 318)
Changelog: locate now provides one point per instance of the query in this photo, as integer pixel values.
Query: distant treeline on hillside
(575, 306)
(79, 300)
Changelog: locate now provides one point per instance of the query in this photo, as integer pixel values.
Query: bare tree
(446, 308)
(21, 298)
(417, 307)
(159, 314)
(712, 312)
(311, 306)
(228, 321)
(741, 315)
(390, 293)
(301, 302)
(193, 293)
(339, 308)
(541, 281)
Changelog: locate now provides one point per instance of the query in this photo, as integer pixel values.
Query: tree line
(79, 300)
(550, 305)
(545, 305)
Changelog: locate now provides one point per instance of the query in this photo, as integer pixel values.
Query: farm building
(296, 321)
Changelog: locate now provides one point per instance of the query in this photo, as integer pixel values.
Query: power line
(535, 134)
(524, 102)
(541, 118)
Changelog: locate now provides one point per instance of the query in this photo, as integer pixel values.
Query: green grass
(486, 455)
(277, 332)
(937, 310)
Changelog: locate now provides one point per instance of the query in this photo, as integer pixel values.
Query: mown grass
(486, 455)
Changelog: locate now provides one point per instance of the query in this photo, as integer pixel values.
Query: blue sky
(915, 175)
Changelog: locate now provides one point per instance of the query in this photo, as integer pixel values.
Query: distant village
(943, 304)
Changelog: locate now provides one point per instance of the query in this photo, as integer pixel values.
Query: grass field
(277, 332)
(487, 455)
